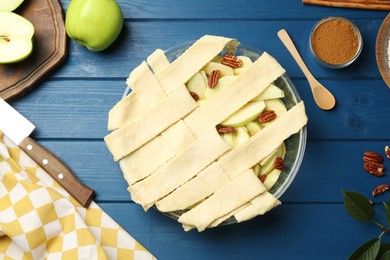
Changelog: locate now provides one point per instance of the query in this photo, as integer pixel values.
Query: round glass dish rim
(343, 65)
(302, 133)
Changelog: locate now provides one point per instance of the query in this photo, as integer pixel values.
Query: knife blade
(18, 129)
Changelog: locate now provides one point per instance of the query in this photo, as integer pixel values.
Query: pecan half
(374, 168)
(279, 163)
(266, 116)
(231, 61)
(370, 156)
(227, 130)
(262, 178)
(213, 78)
(194, 95)
(380, 189)
(387, 151)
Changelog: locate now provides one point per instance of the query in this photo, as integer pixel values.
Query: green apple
(16, 37)
(256, 169)
(9, 5)
(271, 92)
(272, 178)
(94, 24)
(198, 84)
(246, 114)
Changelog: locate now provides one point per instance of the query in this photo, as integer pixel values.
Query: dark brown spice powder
(335, 41)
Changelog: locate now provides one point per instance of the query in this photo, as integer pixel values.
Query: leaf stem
(384, 229)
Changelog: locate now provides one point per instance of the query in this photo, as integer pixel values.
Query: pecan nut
(231, 61)
(227, 130)
(213, 78)
(380, 189)
(387, 151)
(194, 95)
(263, 177)
(266, 116)
(370, 156)
(279, 163)
(374, 168)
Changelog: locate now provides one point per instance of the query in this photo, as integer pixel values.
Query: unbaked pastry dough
(169, 150)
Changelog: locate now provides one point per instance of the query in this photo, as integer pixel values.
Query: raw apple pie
(204, 136)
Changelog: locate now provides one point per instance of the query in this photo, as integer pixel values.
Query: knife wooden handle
(57, 170)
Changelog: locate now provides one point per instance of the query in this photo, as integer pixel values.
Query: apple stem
(5, 38)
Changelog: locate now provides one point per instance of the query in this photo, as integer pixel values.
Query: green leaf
(384, 252)
(368, 251)
(358, 206)
(387, 209)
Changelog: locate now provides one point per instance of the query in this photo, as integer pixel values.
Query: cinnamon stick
(361, 4)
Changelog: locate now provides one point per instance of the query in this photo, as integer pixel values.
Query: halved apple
(198, 84)
(223, 69)
(246, 114)
(271, 92)
(222, 83)
(16, 34)
(9, 5)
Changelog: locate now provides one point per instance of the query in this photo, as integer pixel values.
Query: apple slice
(271, 92)
(256, 169)
(277, 106)
(242, 135)
(246, 63)
(223, 69)
(16, 34)
(271, 157)
(198, 84)
(230, 139)
(269, 166)
(281, 151)
(222, 83)
(253, 127)
(246, 114)
(9, 5)
(272, 178)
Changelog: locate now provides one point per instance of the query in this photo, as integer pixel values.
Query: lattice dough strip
(179, 170)
(230, 197)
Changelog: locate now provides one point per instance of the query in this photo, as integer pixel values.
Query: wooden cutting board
(50, 48)
(361, 4)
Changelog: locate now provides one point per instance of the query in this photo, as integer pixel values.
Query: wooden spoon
(323, 98)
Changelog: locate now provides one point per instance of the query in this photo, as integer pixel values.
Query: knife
(18, 128)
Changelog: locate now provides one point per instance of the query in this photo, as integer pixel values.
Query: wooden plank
(361, 108)
(164, 34)
(327, 168)
(230, 9)
(311, 230)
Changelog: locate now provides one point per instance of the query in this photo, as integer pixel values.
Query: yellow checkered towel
(40, 220)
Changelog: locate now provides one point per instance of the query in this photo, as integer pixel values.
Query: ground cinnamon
(335, 41)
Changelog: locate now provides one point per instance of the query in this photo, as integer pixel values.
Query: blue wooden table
(70, 110)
